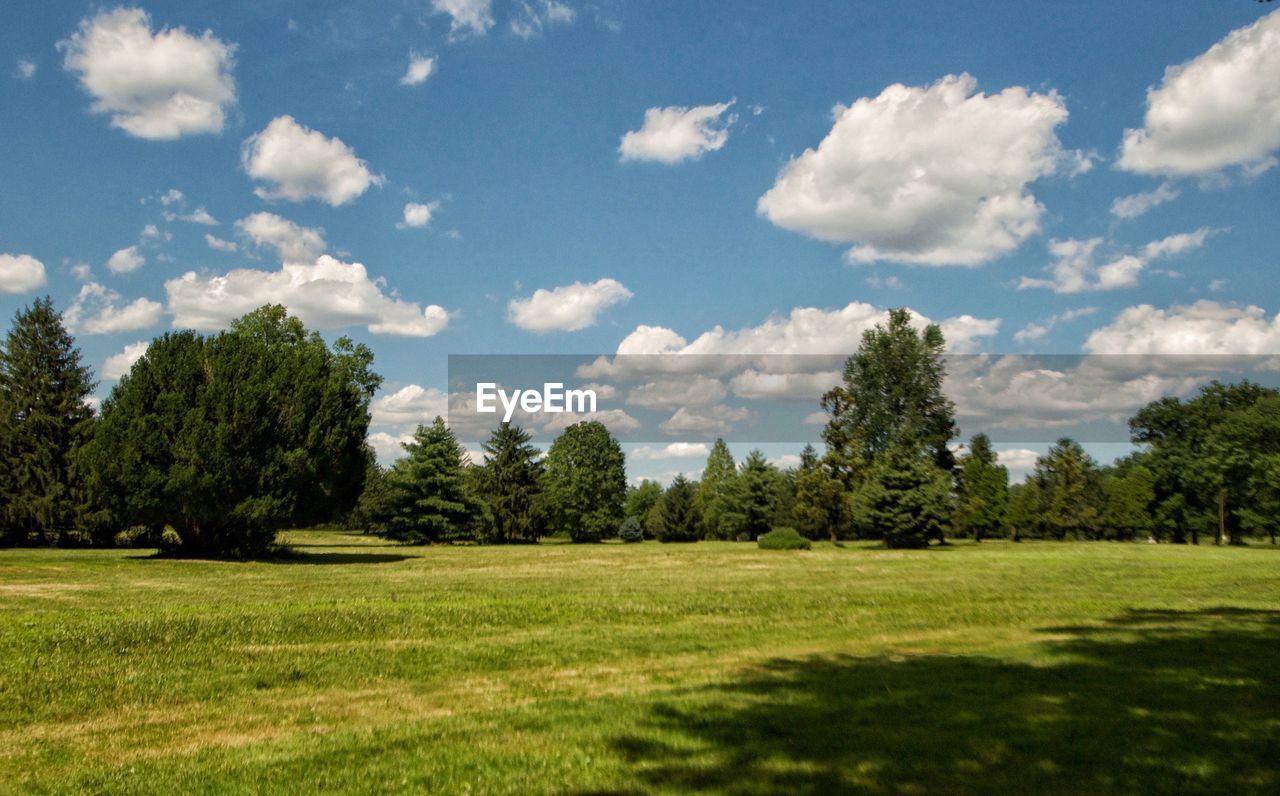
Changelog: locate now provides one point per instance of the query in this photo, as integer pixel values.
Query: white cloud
(411, 406)
(1219, 109)
(420, 68)
(1203, 328)
(718, 419)
(326, 294)
(933, 175)
(1076, 268)
(674, 450)
(20, 273)
(118, 365)
(97, 309)
(533, 16)
(389, 447)
(669, 394)
(1137, 204)
(417, 215)
(467, 17)
(890, 282)
(753, 384)
(126, 260)
(171, 197)
(219, 244)
(293, 243)
(197, 216)
(301, 163)
(672, 134)
(617, 421)
(156, 86)
(1035, 331)
(26, 69)
(82, 272)
(567, 308)
(787, 461)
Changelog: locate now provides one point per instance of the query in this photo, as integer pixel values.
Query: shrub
(169, 539)
(783, 539)
(631, 530)
(135, 536)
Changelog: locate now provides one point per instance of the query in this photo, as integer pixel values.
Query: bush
(631, 530)
(135, 536)
(169, 539)
(783, 539)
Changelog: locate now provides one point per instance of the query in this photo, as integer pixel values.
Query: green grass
(369, 667)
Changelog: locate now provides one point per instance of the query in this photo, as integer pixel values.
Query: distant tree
(757, 495)
(906, 499)
(587, 482)
(1022, 518)
(510, 484)
(818, 508)
(640, 503)
(678, 513)
(982, 490)
(717, 494)
(44, 421)
(428, 499)
(231, 437)
(1071, 499)
(631, 531)
(1130, 490)
(372, 505)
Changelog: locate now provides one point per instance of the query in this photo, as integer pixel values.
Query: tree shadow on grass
(1151, 702)
(286, 557)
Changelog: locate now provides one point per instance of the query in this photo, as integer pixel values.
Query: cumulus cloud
(1077, 268)
(1219, 109)
(676, 133)
(757, 385)
(718, 419)
(411, 406)
(1034, 331)
(218, 244)
(20, 273)
(567, 308)
(420, 68)
(156, 86)
(389, 447)
(466, 17)
(674, 450)
(126, 260)
(669, 394)
(326, 294)
(98, 309)
(1138, 204)
(534, 16)
(117, 365)
(417, 215)
(934, 175)
(299, 163)
(1203, 328)
(197, 216)
(293, 243)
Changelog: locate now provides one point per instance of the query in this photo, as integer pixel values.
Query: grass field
(364, 666)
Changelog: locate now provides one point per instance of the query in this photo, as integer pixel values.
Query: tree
(587, 482)
(678, 513)
(228, 438)
(1070, 492)
(982, 490)
(640, 503)
(1130, 490)
(756, 495)
(44, 421)
(372, 505)
(1022, 517)
(818, 508)
(510, 484)
(906, 499)
(428, 499)
(717, 494)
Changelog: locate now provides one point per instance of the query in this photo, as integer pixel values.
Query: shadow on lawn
(1152, 702)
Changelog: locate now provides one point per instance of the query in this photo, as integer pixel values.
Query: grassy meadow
(365, 666)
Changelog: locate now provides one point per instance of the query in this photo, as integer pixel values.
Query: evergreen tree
(510, 483)
(678, 513)
(587, 482)
(1071, 499)
(757, 495)
(641, 501)
(428, 500)
(1023, 515)
(44, 421)
(906, 499)
(372, 505)
(817, 510)
(1129, 488)
(717, 496)
(982, 490)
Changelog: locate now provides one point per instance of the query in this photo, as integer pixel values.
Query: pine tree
(510, 484)
(587, 482)
(982, 490)
(816, 512)
(678, 513)
(757, 501)
(906, 498)
(1070, 492)
(428, 500)
(44, 423)
(717, 494)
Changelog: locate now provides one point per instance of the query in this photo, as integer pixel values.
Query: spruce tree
(428, 499)
(906, 499)
(1071, 499)
(816, 512)
(717, 494)
(510, 484)
(982, 490)
(757, 495)
(44, 421)
(678, 513)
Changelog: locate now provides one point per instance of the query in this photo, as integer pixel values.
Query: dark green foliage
(783, 539)
(428, 498)
(372, 504)
(631, 530)
(641, 501)
(44, 421)
(757, 494)
(510, 484)
(718, 496)
(906, 499)
(231, 437)
(587, 482)
(678, 519)
(817, 510)
(1023, 515)
(1071, 497)
(982, 491)
(1130, 490)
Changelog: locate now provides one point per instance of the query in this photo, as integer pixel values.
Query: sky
(446, 177)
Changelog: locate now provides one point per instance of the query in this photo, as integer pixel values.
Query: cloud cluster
(20, 273)
(567, 308)
(126, 260)
(118, 365)
(157, 86)
(1219, 109)
(534, 16)
(670, 135)
(420, 68)
(410, 406)
(1139, 204)
(1077, 268)
(98, 309)
(1203, 328)
(933, 175)
(466, 17)
(299, 163)
(293, 243)
(417, 215)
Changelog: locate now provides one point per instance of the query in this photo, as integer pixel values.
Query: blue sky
(510, 146)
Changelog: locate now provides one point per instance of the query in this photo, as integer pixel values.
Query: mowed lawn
(370, 667)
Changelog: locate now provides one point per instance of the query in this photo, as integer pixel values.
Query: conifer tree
(428, 499)
(717, 494)
(816, 512)
(982, 490)
(678, 513)
(906, 498)
(510, 484)
(757, 494)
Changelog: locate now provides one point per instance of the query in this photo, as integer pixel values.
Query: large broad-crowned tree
(586, 482)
